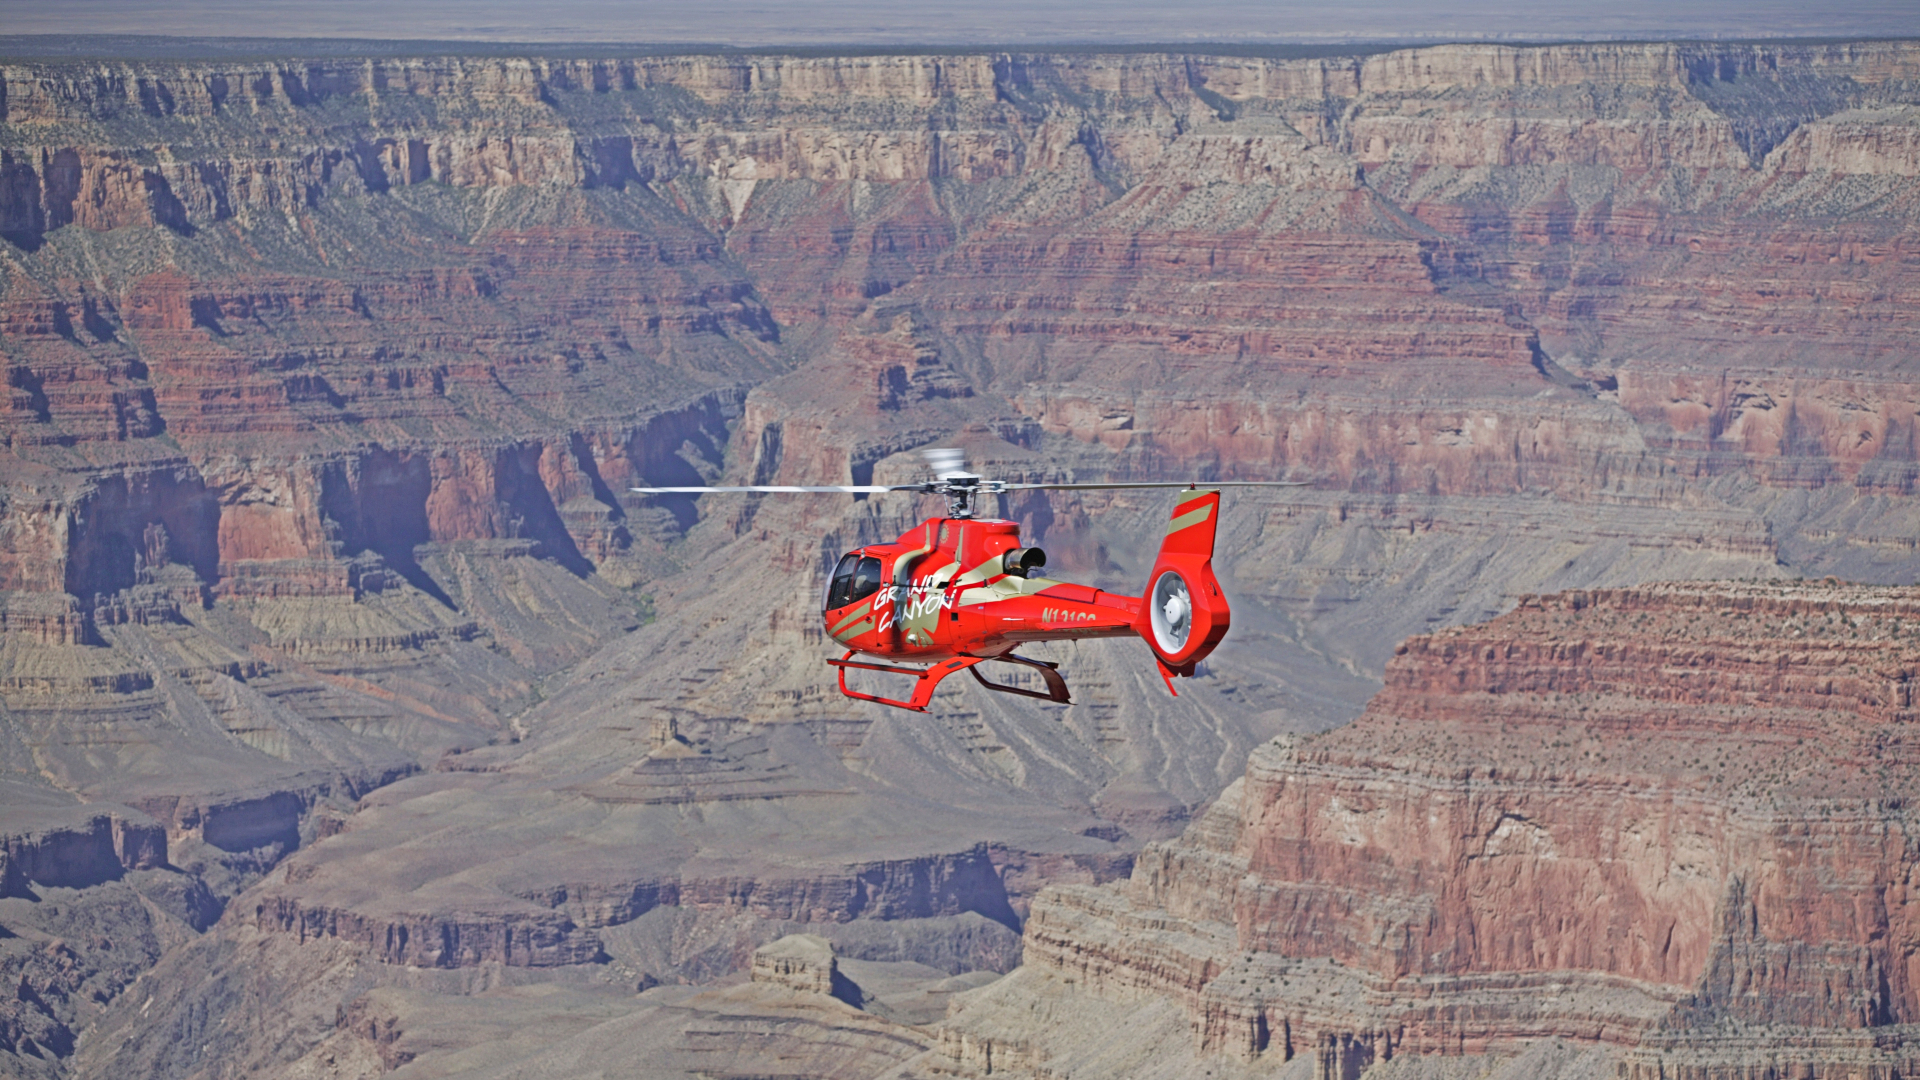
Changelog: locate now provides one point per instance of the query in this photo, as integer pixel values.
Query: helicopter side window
(839, 590)
(866, 579)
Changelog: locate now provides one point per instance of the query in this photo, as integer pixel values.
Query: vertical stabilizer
(1183, 614)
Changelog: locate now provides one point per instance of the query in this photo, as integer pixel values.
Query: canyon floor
(355, 720)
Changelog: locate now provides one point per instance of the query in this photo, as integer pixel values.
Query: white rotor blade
(946, 461)
(1161, 484)
(851, 489)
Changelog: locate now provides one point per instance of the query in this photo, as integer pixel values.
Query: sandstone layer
(325, 380)
(1670, 825)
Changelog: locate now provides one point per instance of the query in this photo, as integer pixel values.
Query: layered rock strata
(731, 209)
(70, 846)
(1670, 822)
(801, 962)
(428, 886)
(324, 379)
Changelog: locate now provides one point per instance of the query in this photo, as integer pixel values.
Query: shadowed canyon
(356, 721)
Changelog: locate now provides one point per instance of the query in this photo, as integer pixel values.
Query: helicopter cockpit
(856, 578)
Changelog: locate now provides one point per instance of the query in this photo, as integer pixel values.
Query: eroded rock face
(325, 381)
(1673, 821)
(801, 962)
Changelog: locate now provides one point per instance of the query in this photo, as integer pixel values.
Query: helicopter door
(866, 580)
(840, 588)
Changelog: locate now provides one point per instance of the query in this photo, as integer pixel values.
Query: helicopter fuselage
(954, 592)
(944, 589)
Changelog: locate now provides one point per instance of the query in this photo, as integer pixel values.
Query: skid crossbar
(1056, 685)
(926, 679)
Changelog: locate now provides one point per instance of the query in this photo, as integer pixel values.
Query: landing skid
(1056, 684)
(927, 679)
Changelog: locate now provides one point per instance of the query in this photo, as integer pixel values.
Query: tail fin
(1183, 615)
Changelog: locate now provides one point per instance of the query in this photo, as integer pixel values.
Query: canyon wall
(471, 299)
(326, 379)
(1670, 823)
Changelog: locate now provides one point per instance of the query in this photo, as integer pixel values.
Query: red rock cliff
(1674, 820)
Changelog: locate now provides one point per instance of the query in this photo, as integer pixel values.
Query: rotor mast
(959, 492)
(954, 482)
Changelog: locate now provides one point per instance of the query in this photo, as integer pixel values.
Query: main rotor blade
(946, 461)
(850, 489)
(1161, 484)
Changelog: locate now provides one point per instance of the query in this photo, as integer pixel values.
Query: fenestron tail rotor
(1170, 611)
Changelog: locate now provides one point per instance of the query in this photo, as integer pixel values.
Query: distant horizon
(210, 47)
(979, 24)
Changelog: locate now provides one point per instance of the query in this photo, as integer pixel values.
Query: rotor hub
(959, 490)
(1176, 610)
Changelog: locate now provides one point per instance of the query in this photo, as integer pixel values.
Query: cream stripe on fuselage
(865, 606)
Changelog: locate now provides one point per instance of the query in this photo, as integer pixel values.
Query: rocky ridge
(1669, 823)
(324, 378)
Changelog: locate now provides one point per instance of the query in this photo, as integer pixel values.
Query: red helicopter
(956, 591)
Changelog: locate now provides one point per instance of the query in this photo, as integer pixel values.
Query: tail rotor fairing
(1171, 612)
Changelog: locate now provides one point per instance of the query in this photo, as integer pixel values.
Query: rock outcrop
(802, 962)
(1671, 823)
(325, 380)
(81, 851)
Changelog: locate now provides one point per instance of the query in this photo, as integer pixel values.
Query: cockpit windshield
(842, 584)
(854, 579)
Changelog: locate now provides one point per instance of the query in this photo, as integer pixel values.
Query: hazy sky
(893, 22)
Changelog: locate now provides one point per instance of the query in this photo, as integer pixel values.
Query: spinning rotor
(958, 486)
